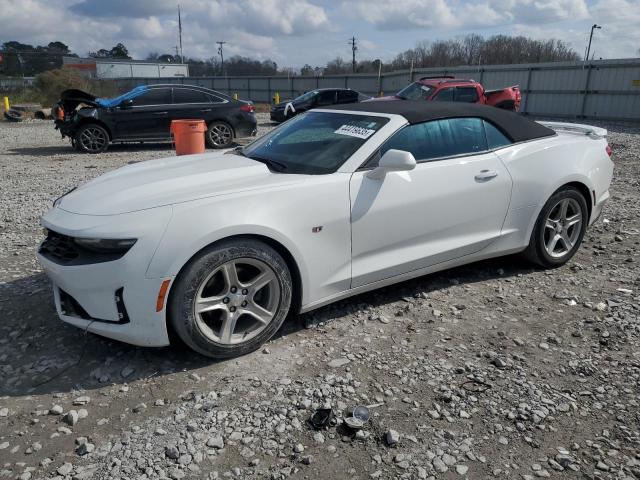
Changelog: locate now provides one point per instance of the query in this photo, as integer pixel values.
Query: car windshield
(305, 96)
(415, 91)
(314, 143)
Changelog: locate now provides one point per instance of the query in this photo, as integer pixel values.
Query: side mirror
(393, 161)
(126, 104)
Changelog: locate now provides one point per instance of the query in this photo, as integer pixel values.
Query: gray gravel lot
(492, 370)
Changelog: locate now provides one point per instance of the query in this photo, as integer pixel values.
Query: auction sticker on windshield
(353, 131)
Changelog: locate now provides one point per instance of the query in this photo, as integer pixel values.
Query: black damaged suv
(144, 114)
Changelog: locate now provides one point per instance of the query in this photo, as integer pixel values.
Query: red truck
(451, 89)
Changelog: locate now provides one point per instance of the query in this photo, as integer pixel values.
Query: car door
(445, 95)
(190, 103)
(147, 117)
(325, 98)
(347, 96)
(451, 205)
(466, 95)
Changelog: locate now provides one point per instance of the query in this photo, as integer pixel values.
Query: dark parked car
(145, 114)
(320, 97)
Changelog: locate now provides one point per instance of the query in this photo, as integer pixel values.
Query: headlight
(56, 202)
(105, 245)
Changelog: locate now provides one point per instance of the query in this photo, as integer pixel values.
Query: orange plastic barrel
(188, 136)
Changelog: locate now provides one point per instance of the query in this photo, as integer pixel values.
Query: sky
(298, 32)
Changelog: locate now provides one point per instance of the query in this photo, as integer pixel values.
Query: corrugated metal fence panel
(604, 89)
(620, 79)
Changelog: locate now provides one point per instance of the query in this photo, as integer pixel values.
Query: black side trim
(122, 311)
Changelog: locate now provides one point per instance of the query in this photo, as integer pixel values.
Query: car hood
(383, 99)
(156, 183)
(71, 98)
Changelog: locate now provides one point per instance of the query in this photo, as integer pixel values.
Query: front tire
(231, 298)
(219, 135)
(91, 138)
(559, 229)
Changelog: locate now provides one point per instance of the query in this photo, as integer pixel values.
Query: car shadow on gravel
(68, 150)
(113, 149)
(40, 354)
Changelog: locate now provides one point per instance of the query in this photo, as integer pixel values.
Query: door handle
(206, 110)
(485, 175)
(160, 113)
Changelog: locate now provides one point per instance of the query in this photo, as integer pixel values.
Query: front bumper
(246, 126)
(114, 298)
(277, 115)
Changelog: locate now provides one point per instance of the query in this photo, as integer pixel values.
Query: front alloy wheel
(231, 298)
(237, 301)
(92, 138)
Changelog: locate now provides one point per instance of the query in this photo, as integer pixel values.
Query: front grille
(59, 248)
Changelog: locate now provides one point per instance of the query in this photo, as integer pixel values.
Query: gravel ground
(492, 370)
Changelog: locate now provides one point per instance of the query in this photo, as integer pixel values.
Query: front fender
(311, 220)
(175, 250)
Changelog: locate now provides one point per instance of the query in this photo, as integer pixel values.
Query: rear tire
(219, 135)
(92, 138)
(559, 229)
(230, 298)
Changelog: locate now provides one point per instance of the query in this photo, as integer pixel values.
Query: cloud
(446, 14)
(124, 8)
(295, 32)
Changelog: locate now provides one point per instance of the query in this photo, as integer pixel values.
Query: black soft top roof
(515, 126)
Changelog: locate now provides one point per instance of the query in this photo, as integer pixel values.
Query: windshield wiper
(237, 151)
(268, 162)
(276, 165)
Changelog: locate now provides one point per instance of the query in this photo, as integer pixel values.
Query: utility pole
(354, 47)
(221, 56)
(593, 27)
(180, 35)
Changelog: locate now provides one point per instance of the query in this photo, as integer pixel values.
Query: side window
(215, 99)
(327, 97)
(155, 96)
(444, 95)
(186, 95)
(495, 138)
(440, 138)
(347, 96)
(466, 94)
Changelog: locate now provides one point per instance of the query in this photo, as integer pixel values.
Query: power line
(354, 47)
(220, 51)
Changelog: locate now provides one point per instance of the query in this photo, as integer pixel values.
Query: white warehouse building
(103, 68)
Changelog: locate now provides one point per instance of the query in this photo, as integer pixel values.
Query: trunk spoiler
(577, 128)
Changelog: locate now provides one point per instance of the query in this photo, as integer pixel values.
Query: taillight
(609, 150)
(248, 108)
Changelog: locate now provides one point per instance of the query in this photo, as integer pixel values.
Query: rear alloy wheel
(559, 229)
(91, 138)
(231, 298)
(219, 135)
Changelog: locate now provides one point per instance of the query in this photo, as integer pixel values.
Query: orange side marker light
(162, 294)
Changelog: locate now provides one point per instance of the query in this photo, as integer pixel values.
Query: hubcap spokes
(562, 227)
(237, 301)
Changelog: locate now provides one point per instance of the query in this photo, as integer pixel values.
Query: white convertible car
(221, 247)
